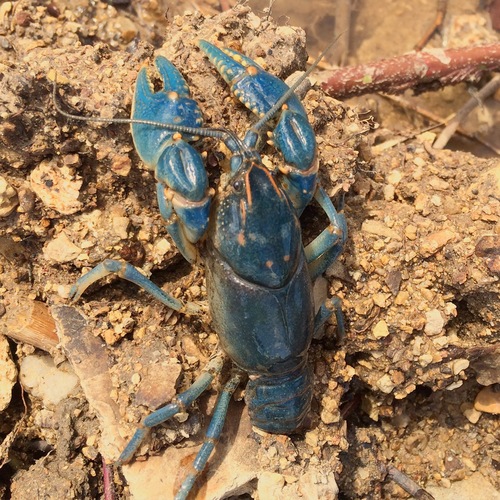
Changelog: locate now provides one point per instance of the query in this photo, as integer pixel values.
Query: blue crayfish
(259, 275)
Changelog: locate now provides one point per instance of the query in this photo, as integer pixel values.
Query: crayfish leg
(178, 405)
(213, 433)
(130, 273)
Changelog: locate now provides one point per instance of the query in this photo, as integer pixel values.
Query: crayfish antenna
(71, 116)
(213, 132)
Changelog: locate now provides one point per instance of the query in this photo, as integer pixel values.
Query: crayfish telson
(259, 274)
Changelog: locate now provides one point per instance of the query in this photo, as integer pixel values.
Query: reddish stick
(421, 71)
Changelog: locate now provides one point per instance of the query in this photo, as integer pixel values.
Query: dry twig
(421, 71)
(452, 125)
(441, 12)
(224, 5)
(405, 482)
(109, 487)
(405, 104)
(342, 32)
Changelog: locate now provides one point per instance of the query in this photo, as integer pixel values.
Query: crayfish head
(254, 227)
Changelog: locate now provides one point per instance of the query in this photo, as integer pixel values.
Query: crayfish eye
(238, 186)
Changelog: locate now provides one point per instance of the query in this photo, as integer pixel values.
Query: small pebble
(57, 187)
(436, 200)
(421, 202)
(419, 162)
(455, 385)
(389, 192)
(380, 299)
(402, 298)
(394, 177)
(120, 226)
(434, 322)
(459, 365)
(411, 232)
(26, 200)
(41, 378)
(90, 452)
(380, 330)
(61, 249)
(312, 437)
(385, 384)
(270, 485)
(8, 198)
(425, 360)
(8, 373)
(160, 248)
(488, 399)
(121, 165)
(272, 451)
(439, 184)
(379, 228)
(434, 242)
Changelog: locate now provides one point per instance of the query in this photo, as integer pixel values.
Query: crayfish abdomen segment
(279, 404)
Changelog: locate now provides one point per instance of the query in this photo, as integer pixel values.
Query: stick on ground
(420, 71)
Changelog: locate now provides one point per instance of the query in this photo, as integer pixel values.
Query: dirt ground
(412, 383)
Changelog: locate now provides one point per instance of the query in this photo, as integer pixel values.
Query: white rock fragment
(61, 249)
(120, 226)
(254, 20)
(389, 192)
(41, 378)
(439, 184)
(380, 330)
(425, 360)
(470, 413)
(380, 299)
(312, 437)
(8, 198)
(270, 485)
(475, 487)
(434, 322)
(314, 485)
(379, 228)
(57, 187)
(455, 385)
(160, 248)
(434, 242)
(419, 161)
(459, 365)
(385, 384)
(8, 373)
(394, 177)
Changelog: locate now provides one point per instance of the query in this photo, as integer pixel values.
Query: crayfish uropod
(259, 275)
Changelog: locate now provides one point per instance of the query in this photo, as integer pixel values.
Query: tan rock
(8, 373)
(434, 242)
(57, 187)
(61, 249)
(380, 330)
(379, 229)
(488, 399)
(8, 198)
(270, 485)
(434, 322)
